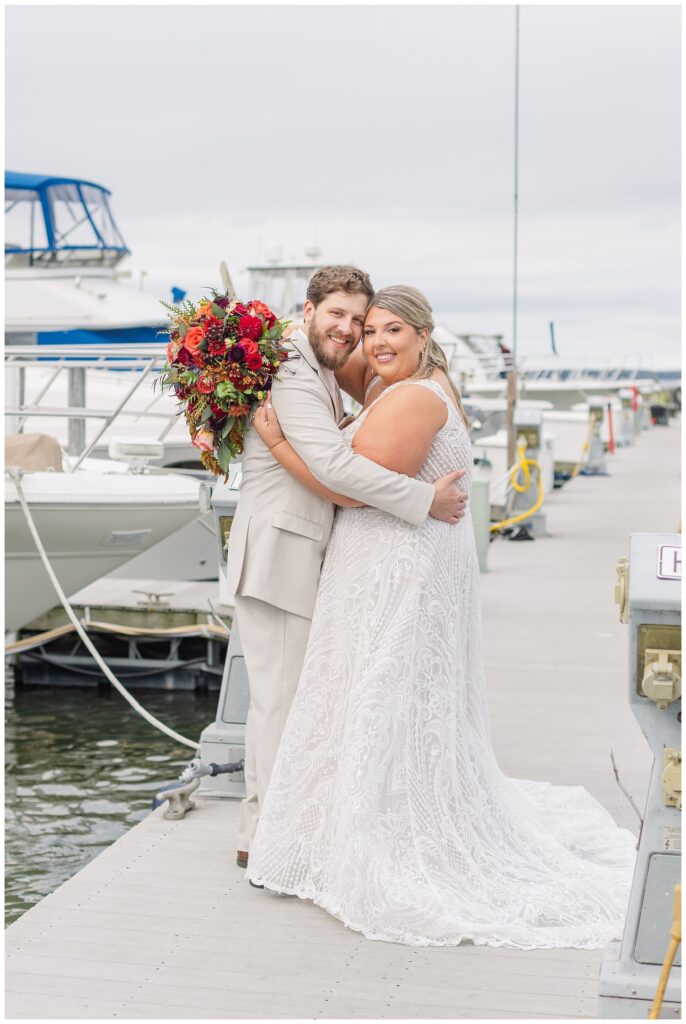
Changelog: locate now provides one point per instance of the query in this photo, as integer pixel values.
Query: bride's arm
(267, 426)
(355, 375)
(399, 431)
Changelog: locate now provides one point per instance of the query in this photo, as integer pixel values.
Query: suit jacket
(281, 528)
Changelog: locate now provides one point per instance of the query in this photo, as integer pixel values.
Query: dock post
(76, 398)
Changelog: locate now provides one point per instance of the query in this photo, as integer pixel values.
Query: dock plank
(162, 925)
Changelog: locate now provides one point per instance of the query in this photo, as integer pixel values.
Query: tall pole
(512, 374)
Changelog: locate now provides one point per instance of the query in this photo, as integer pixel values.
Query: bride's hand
(266, 423)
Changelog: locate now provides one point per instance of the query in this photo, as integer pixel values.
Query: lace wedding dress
(386, 806)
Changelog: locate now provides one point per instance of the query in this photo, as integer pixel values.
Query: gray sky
(384, 134)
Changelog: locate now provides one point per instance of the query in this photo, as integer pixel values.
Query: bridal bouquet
(222, 357)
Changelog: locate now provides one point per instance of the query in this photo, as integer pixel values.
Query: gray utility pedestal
(528, 425)
(628, 429)
(596, 464)
(224, 740)
(648, 591)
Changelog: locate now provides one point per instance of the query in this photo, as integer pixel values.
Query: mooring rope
(16, 474)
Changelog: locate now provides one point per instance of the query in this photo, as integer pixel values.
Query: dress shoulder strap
(434, 386)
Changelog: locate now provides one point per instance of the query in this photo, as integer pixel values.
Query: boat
(91, 518)
(64, 284)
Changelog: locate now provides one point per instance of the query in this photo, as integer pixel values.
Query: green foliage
(206, 413)
(172, 310)
(228, 426)
(224, 457)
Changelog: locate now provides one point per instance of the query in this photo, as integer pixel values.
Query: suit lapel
(300, 343)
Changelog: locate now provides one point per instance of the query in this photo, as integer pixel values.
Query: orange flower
(261, 309)
(204, 440)
(205, 308)
(173, 349)
(194, 335)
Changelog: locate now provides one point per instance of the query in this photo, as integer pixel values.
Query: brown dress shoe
(242, 858)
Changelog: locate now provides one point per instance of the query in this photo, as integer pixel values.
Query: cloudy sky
(384, 135)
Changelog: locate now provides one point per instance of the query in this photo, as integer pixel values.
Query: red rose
(250, 327)
(238, 309)
(205, 386)
(184, 357)
(194, 335)
(251, 348)
(254, 361)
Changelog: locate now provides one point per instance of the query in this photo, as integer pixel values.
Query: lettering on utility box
(669, 562)
(671, 838)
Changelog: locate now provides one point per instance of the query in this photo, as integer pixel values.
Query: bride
(386, 805)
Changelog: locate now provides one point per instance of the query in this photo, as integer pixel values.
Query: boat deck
(162, 925)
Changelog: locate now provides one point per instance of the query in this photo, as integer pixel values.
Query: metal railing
(76, 361)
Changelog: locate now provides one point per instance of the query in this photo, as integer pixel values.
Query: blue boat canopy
(52, 219)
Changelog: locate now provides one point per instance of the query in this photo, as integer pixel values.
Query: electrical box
(224, 739)
(528, 428)
(648, 593)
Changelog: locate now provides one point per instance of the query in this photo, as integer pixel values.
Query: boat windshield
(69, 222)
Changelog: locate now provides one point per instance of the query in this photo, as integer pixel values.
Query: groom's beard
(327, 356)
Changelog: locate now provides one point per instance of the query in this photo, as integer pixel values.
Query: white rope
(16, 474)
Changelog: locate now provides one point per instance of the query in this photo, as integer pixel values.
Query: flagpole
(512, 375)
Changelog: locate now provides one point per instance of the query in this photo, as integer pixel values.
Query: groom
(281, 529)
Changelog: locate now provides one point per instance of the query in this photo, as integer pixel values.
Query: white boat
(64, 287)
(90, 521)
(62, 253)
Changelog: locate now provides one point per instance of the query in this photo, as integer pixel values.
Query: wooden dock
(162, 925)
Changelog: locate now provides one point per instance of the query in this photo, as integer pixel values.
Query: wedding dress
(386, 806)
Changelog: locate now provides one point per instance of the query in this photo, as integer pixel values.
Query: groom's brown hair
(338, 279)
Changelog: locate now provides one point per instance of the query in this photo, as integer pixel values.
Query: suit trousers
(274, 643)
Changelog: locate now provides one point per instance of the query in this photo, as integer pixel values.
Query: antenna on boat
(227, 283)
(512, 375)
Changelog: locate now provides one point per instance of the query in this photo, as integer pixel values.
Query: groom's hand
(449, 502)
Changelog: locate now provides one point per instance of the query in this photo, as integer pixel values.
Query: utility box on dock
(528, 425)
(628, 422)
(648, 592)
(224, 500)
(596, 463)
(224, 740)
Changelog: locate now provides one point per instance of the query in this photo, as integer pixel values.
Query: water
(82, 768)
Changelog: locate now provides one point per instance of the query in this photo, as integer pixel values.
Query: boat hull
(88, 527)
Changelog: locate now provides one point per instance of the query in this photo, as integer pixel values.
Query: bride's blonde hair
(413, 307)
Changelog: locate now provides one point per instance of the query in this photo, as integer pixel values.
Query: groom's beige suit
(277, 546)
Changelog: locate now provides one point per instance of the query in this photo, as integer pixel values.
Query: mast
(512, 373)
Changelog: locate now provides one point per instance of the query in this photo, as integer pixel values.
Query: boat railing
(138, 361)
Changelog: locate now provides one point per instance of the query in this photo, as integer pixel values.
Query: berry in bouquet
(222, 358)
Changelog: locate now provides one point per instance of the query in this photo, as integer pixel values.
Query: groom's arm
(305, 416)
